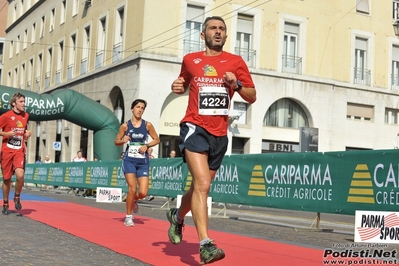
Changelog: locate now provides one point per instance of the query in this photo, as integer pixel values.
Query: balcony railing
(117, 52)
(99, 59)
(28, 85)
(292, 64)
(58, 76)
(70, 72)
(247, 54)
(47, 80)
(192, 46)
(37, 83)
(395, 82)
(83, 66)
(362, 76)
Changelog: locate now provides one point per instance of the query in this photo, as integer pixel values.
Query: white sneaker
(135, 206)
(129, 221)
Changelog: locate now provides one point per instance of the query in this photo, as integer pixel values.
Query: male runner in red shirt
(212, 77)
(13, 126)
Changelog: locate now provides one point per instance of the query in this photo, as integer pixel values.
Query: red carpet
(148, 240)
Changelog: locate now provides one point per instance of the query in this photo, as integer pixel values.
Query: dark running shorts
(134, 167)
(197, 139)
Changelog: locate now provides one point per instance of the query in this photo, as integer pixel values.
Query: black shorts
(197, 139)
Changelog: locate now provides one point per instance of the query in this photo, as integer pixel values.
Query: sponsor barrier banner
(331, 182)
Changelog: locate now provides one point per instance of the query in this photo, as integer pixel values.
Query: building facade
(330, 66)
(3, 25)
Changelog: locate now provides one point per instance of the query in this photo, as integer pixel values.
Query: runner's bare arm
(121, 138)
(248, 94)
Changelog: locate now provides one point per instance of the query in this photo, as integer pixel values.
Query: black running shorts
(197, 139)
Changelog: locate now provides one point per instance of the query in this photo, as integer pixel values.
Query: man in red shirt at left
(13, 126)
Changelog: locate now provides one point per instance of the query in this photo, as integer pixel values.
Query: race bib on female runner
(133, 151)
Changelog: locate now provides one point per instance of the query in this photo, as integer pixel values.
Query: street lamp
(241, 109)
(396, 28)
(38, 129)
(59, 126)
(118, 113)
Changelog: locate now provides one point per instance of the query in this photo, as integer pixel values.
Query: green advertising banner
(333, 182)
(77, 175)
(72, 106)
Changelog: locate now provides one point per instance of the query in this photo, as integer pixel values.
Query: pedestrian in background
(79, 158)
(172, 154)
(212, 77)
(47, 159)
(13, 126)
(135, 161)
(38, 159)
(150, 151)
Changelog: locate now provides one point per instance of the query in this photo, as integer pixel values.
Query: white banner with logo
(377, 227)
(108, 194)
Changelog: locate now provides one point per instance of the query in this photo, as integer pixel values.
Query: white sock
(205, 241)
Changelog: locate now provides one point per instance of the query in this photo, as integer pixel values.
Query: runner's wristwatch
(239, 86)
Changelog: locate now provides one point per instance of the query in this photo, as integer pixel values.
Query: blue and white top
(138, 137)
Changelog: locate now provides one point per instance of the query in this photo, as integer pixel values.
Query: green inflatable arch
(72, 106)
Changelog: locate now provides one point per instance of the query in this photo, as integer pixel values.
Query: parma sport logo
(377, 227)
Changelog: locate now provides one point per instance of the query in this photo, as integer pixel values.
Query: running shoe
(5, 209)
(129, 221)
(175, 230)
(135, 206)
(210, 253)
(17, 202)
